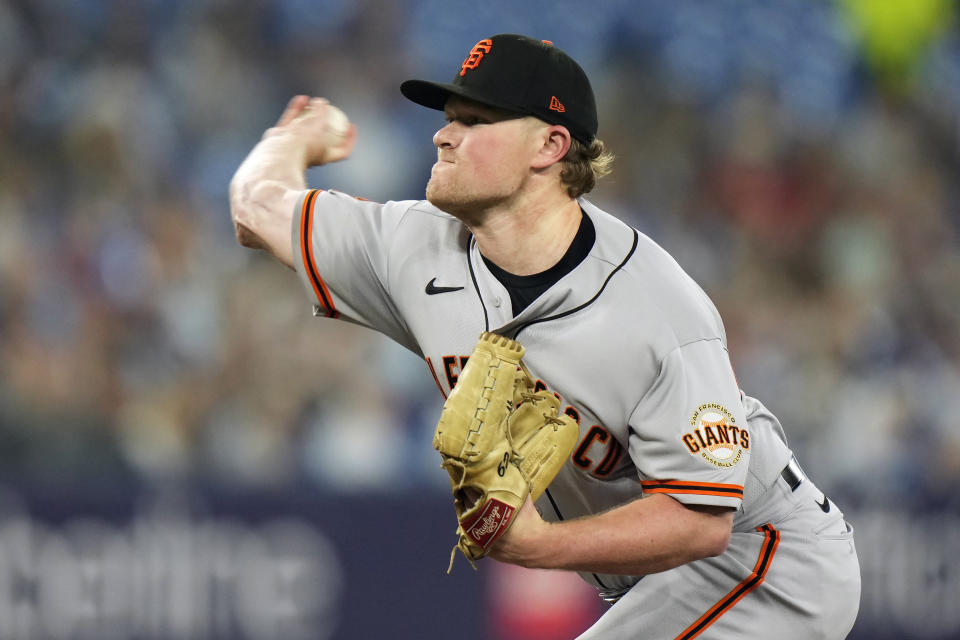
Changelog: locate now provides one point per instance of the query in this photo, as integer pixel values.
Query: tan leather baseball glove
(500, 441)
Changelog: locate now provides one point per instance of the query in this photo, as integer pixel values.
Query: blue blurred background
(185, 452)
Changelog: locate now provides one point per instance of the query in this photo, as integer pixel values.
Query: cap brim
(435, 94)
(428, 94)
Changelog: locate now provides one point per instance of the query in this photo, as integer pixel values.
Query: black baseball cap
(520, 74)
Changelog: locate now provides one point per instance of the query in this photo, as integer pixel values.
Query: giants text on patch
(715, 436)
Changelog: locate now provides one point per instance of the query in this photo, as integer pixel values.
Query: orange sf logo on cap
(476, 55)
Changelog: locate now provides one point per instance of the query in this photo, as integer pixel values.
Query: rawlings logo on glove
(485, 527)
(500, 441)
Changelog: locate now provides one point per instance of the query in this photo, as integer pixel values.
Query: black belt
(793, 474)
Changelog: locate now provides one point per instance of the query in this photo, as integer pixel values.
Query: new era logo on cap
(522, 75)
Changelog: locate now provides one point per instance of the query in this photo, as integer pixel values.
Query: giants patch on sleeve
(715, 436)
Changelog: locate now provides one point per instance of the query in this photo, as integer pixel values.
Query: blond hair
(584, 165)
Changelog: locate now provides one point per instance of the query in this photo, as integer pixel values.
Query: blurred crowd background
(800, 158)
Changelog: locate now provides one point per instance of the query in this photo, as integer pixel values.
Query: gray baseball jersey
(637, 354)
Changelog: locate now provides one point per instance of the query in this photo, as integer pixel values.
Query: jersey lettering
(596, 437)
(614, 452)
(451, 369)
(540, 385)
(580, 453)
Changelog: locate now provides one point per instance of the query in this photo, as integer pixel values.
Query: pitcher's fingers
(344, 148)
(296, 105)
(351, 138)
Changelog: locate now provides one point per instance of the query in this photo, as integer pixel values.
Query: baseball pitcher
(593, 422)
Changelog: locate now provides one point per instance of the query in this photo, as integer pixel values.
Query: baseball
(336, 125)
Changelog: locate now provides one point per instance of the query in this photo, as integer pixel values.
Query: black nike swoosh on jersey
(825, 505)
(432, 290)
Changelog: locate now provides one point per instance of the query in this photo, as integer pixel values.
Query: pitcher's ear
(556, 142)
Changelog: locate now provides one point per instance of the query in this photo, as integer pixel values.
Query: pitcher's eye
(467, 120)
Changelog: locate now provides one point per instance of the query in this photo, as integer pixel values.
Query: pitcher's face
(483, 157)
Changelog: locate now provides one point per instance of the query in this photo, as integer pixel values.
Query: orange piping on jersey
(764, 560)
(701, 488)
(435, 378)
(306, 249)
